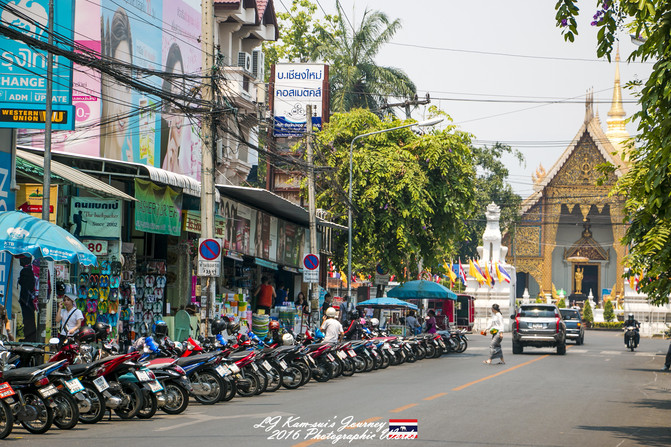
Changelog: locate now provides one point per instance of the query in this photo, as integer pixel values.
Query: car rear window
(539, 312)
(570, 314)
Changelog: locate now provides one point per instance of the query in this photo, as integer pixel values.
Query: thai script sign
(296, 86)
(99, 218)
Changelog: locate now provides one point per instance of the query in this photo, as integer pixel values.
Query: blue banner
(7, 203)
(23, 69)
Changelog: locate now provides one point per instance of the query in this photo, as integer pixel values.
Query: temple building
(568, 239)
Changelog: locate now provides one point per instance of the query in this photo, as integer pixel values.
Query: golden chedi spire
(617, 132)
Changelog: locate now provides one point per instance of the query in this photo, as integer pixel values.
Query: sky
(466, 55)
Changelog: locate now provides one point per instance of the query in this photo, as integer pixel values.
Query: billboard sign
(296, 86)
(23, 69)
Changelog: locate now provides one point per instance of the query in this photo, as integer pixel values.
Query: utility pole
(314, 297)
(207, 166)
(46, 187)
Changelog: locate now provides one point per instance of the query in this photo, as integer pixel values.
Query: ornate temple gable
(579, 169)
(587, 246)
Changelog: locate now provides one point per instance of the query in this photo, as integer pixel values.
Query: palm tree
(356, 81)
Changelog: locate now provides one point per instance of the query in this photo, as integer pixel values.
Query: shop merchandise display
(98, 294)
(150, 283)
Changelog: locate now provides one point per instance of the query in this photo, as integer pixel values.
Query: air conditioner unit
(245, 61)
(257, 64)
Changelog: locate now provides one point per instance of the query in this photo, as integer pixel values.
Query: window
(537, 312)
(570, 314)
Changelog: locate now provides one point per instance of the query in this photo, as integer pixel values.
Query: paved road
(597, 395)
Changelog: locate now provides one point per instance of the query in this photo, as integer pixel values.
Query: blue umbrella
(23, 234)
(421, 289)
(387, 303)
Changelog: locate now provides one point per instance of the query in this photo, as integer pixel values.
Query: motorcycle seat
(184, 361)
(237, 355)
(27, 350)
(20, 374)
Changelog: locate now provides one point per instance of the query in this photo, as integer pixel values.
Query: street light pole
(430, 122)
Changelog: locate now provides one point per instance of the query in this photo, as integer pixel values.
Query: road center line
(405, 407)
(435, 396)
(459, 388)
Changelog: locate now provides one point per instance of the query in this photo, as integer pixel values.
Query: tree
(490, 186)
(587, 315)
(412, 194)
(561, 304)
(647, 184)
(608, 313)
(356, 80)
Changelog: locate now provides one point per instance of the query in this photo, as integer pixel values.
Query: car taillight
(558, 320)
(42, 382)
(579, 323)
(517, 322)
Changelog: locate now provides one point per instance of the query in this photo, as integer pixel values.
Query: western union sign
(34, 116)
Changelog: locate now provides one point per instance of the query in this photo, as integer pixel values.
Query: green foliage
(540, 300)
(587, 314)
(608, 313)
(647, 184)
(411, 194)
(561, 304)
(608, 325)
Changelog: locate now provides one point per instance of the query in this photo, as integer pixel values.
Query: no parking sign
(311, 268)
(209, 257)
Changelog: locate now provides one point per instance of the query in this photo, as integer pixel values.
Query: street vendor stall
(436, 296)
(397, 308)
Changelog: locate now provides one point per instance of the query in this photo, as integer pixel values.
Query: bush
(608, 313)
(587, 313)
(608, 325)
(561, 304)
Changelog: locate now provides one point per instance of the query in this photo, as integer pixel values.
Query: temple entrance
(590, 280)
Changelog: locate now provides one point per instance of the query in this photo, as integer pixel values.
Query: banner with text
(95, 217)
(158, 209)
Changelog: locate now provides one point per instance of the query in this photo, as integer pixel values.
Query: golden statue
(578, 280)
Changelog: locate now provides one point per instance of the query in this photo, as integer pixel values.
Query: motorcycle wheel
(263, 382)
(430, 350)
(420, 352)
(6, 419)
(377, 360)
(347, 368)
(230, 389)
(248, 385)
(66, 412)
(305, 370)
(323, 371)
(98, 406)
(410, 357)
(45, 415)
(337, 367)
(394, 358)
(439, 352)
(212, 378)
(274, 380)
(150, 406)
(135, 403)
(463, 344)
(385, 360)
(177, 398)
(292, 378)
(370, 364)
(359, 364)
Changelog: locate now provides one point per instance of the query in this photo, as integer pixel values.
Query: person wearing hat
(69, 318)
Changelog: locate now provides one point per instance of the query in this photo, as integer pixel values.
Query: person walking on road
(495, 328)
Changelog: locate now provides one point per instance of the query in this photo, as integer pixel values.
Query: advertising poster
(180, 143)
(272, 249)
(98, 218)
(296, 86)
(158, 209)
(261, 240)
(281, 240)
(131, 33)
(29, 200)
(23, 70)
(230, 209)
(7, 203)
(242, 229)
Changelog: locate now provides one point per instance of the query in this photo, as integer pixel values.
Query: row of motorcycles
(86, 377)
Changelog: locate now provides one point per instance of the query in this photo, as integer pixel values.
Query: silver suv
(540, 326)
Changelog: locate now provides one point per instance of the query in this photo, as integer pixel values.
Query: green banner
(158, 209)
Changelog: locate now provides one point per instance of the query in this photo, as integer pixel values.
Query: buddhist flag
(488, 277)
(475, 272)
(450, 273)
(462, 273)
(502, 274)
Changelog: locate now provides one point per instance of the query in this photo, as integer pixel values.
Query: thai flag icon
(402, 429)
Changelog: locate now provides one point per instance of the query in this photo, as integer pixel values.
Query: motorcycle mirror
(512, 317)
(54, 341)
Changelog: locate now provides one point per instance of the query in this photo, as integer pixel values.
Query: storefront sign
(29, 200)
(95, 217)
(296, 86)
(191, 223)
(23, 69)
(158, 209)
(98, 248)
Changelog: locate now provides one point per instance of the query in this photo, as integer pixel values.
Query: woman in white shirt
(69, 318)
(496, 329)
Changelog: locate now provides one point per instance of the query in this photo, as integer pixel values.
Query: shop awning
(272, 203)
(74, 176)
(266, 264)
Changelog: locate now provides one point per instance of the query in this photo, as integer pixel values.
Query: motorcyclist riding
(631, 322)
